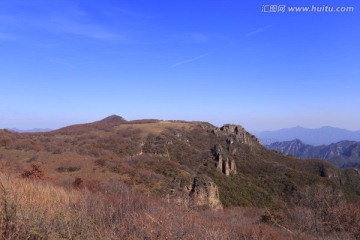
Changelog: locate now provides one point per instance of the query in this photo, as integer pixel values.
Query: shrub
(5, 141)
(100, 162)
(68, 169)
(34, 172)
(78, 183)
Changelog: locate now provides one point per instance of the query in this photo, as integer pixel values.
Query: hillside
(315, 137)
(165, 158)
(344, 154)
(194, 165)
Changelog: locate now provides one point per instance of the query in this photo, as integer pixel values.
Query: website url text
(306, 9)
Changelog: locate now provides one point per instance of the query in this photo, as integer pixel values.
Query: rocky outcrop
(236, 133)
(224, 164)
(205, 193)
(217, 152)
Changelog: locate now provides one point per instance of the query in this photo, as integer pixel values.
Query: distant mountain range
(315, 137)
(344, 154)
(31, 130)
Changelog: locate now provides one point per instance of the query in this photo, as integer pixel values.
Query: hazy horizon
(28, 124)
(67, 62)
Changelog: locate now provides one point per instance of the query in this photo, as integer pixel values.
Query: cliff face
(224, 164)
(205, 193)
(236, 133)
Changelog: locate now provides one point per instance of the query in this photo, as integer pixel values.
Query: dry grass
(155, 128)
(31, 209)
(28, 208)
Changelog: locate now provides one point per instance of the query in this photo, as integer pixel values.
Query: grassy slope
(162, 157)
(157, 156)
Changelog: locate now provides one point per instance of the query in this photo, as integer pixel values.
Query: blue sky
(68, 61)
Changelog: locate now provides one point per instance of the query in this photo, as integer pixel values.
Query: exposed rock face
(226, 166)
(218, 157)
(205, 193)
(236, 133)
(232, 167)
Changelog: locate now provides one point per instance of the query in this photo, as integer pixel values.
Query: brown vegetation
(136, 180)
(34, 172)
(33, 209)
(30, 209)
(319, 211)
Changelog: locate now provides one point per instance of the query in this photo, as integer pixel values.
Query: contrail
(191, 60)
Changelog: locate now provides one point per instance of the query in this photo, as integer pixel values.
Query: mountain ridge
(313, 136)
(344, 154)
(33, 130)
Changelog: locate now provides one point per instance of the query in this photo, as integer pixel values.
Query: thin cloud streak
(68, 21)
(191, 60)
(255, 32)
(86, 30)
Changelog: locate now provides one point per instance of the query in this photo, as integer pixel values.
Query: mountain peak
(296, 140)
(113, 119)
